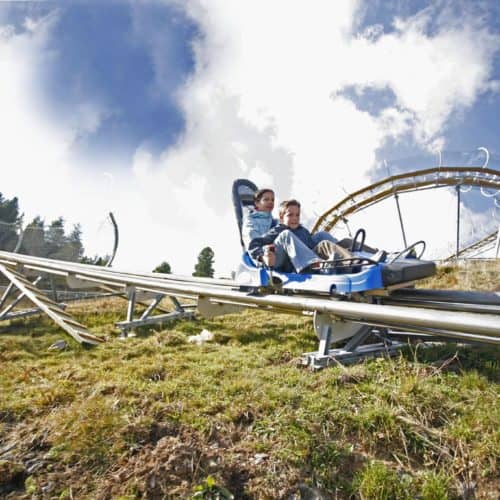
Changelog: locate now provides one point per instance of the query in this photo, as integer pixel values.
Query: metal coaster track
(478, 247)
(484, 178)
(452, 319)
(450, 300)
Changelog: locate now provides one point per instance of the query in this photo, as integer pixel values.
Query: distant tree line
(38, 238)
(55, 242)
(203, 267)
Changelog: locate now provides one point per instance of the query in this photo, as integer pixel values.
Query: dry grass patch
(466, 275)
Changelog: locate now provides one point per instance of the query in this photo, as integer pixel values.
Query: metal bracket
(341, 329)
(181, 311)
(209, 308)
(330, 331)
(74, 282)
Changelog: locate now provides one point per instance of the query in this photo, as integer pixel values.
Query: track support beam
(182, 311)
(27, 289)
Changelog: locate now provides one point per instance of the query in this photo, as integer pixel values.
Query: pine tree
(10, 223)
(96, 260)
(74, 244)
(55, 240)
(34, 238)
(204, 264)
(164, 268)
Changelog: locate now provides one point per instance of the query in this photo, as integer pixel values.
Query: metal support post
(458, 221)
(19, 242)
(396, 197)
(325, 340)
(131, 294)
(358, 339)
(53, 287)
(131, 303)
(497, 246)
(346, 223)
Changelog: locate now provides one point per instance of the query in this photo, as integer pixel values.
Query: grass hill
(157, 417)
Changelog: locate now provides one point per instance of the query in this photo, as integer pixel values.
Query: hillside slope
(157, 417)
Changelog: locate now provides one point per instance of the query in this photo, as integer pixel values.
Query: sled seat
(243, 193)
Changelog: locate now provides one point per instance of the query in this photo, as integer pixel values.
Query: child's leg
(322, 236)
(288, 245)
(331, 251)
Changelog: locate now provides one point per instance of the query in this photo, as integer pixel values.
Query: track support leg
(127, 331)
(355, 349)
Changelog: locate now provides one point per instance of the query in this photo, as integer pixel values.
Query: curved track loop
(116, 235)
(485, 178)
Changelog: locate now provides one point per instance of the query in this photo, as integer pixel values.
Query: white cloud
(432, 75)
(285, 72)
(35, 158)
(259, 105)
(32, 150)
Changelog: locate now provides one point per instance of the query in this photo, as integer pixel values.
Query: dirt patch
(176, 464)
(168, 467)
(164, 460)
(12, 476)
(151, 434)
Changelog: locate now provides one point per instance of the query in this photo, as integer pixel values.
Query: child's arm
(248, 231)
(257, 246)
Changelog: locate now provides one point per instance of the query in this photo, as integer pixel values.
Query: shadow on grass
(484, 359)
(189, 326)
(295, 339)
(227, 331)
(32, 326)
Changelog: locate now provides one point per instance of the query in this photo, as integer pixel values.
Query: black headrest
(243, 192)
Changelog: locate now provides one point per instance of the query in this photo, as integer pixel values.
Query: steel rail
(77, 265)
(452, 300)
(446, 306)
(465, 297)
(449, 321)
(466, 337)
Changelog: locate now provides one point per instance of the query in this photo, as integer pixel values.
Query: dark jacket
(255, 249)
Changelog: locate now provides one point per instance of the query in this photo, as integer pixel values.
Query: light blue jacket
(256, 224)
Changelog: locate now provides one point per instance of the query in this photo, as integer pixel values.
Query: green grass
(154, 416)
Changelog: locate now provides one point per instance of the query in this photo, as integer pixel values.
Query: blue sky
(152, 108)
(101, 51)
